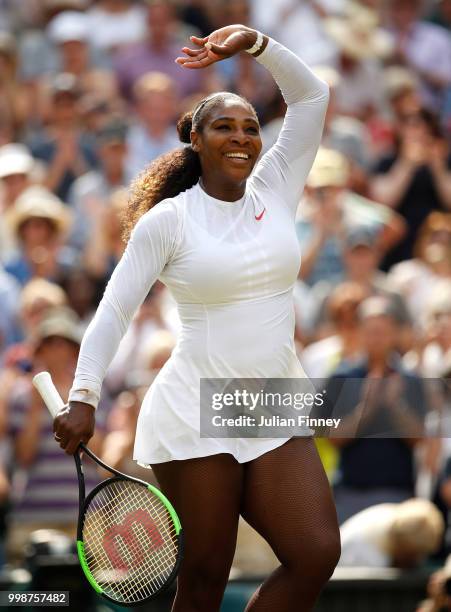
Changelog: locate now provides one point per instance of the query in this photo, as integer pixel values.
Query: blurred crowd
(89, 95)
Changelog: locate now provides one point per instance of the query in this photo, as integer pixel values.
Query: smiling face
(228, 141)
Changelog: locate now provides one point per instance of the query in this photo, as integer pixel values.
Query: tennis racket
(129, 538)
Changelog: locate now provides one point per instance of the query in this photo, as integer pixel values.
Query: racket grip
(47, 390)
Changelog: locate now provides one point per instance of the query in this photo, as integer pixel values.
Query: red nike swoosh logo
(257, 218)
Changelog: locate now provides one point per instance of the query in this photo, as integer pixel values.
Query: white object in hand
(47, 390)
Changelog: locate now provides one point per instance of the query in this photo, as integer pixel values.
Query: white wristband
(257, 45)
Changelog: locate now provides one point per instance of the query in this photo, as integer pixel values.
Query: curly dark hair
(173, 172)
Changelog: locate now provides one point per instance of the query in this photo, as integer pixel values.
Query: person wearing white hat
(361, 47)
(17, 167)
(115, 23)
(71, 33)
(37, 52)
(69, 26)
(39, 220)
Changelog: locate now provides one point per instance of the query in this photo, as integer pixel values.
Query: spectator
(16, 166)
(37, 51)
(381, 407)
(14, 99)
(250, 80)
(9, 297)
(415, 179)
(239, 73)
(35, 300)
(116, 23)
(330, 211)
(417, 278)
(156, 54)
(158, 351)
(106, 245)
(93, 190)
(300, 26)
(437, 349)
(392, 535)
(118, 446)
(154, 133)
(100, 107)
(83, 293)
(117, 449)
(67, 151)
(200, 14)
(345, 134)
(342, 337)
(401, 89)
(424, 47)
(16, 174)
(39, 220)
(320, 230)
(37, 297)
(70, 31)
(31, 306)
(148, 333)
(50, 498)
(361, 46)
(360, 259)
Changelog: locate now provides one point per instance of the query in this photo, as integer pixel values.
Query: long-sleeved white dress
(231, 267)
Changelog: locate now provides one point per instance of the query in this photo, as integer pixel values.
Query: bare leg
(287, 499)
(206, 494)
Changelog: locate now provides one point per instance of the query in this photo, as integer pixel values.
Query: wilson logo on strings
(123, 536)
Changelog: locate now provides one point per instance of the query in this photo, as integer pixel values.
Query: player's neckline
(225, 203)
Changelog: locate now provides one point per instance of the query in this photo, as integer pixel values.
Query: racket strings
(130, 541)
(131, 555)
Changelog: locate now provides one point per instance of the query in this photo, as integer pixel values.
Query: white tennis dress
(231, 267)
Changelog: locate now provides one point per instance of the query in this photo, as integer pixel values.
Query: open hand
(218, 45)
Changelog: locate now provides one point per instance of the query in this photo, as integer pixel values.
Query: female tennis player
(223, 241)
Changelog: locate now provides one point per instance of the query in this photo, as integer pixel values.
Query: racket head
(129, 541)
